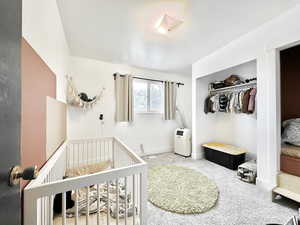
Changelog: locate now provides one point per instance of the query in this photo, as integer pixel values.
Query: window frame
(149, 111)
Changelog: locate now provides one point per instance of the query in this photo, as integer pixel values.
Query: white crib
(126, 166)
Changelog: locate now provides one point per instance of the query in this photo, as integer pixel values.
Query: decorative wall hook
(80, 100)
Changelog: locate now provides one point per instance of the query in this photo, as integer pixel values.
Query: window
(148, 96)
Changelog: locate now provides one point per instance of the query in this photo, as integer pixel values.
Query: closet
(231, 126)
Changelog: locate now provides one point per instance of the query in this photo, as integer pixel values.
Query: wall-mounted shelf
(233, 88)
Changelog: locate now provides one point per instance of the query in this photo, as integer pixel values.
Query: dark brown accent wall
(38, 82)
(290, 83)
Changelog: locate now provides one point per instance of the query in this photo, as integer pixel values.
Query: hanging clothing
(241, 96)
(207, 105)
(215, 105)
(236, 105)
(231, 102)
(228, 102)
(223, 100)
(251, 105)
(246, 101)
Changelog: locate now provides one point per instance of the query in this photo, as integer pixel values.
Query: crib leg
(30, 210)
(126, 204)
(64, 218)
(108, 204)
(76, 207)
(143, 197)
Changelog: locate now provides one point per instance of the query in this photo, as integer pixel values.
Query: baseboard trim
(158, 151)
(265, 185)
(197, 153)
(266, 189)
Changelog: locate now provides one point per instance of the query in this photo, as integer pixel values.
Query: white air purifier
(182, 142)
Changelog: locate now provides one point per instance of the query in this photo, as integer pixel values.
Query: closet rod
(141, 78)
(240, 86)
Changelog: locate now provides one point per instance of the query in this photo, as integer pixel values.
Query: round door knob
(16, 173)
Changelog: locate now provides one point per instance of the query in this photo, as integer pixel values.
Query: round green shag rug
(181, 190)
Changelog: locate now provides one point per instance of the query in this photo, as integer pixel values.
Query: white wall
(230, 128)
(43, 30)
(150, 130)
(262, 45)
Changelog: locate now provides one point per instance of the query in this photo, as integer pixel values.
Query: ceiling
(122, 31)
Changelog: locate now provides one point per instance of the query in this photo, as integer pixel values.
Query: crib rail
(128, 171)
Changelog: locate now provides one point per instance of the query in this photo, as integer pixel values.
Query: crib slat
(98, 204)
(117, 200)
(107, 148)
(83, 155)
(91, 152)
(50, 210)
(96, 149)
(64, 218)
(133, 198)
(104, 148)
(78, 155)
(108, 204)
(138, 195)
(84, 152)
(87, 152)
(39, 203)
(110, 148)
(100, 151)
(114, 155)
(76, 207)
(143, 196)
(82, 160)
(87, 205)
(42, 210)
(67, 157)
(73, 154)
(46, 210)
(125, 186)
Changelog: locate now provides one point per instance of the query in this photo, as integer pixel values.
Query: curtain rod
(141, 78)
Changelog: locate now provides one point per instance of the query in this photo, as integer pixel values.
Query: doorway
(290, 110)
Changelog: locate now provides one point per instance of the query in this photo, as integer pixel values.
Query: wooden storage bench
(225, 155)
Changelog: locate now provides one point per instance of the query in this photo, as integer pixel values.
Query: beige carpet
(181, 190)
(239, 203)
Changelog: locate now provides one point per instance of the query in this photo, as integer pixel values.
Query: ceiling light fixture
(167, 23)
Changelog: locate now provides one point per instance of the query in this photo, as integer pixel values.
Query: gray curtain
(124, 98)
(170, 100)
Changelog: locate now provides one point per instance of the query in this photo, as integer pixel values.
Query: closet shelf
(233, 88)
